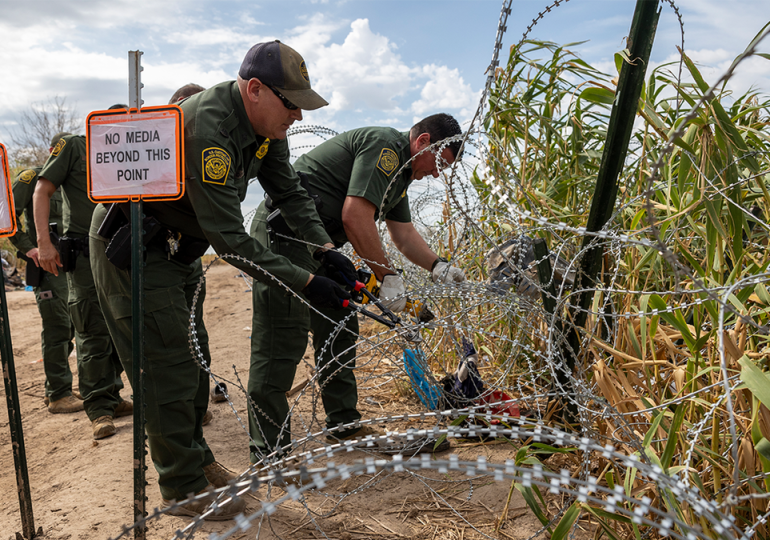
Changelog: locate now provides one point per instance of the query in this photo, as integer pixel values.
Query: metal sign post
(7, 228)
(136, 155)
(137, 317)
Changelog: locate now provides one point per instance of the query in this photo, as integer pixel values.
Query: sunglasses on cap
(286, 103)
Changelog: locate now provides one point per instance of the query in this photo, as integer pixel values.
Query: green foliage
(707, 204)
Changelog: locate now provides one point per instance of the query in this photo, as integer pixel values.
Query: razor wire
(479, 213)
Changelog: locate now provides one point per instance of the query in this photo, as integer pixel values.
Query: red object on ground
(493, 399)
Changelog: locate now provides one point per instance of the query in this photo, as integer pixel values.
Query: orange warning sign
(135, 155)
(7, 210)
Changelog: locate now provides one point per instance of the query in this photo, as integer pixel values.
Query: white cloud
(445, 89)
(363, 71)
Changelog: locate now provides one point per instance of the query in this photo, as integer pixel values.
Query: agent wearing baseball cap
(234, 131)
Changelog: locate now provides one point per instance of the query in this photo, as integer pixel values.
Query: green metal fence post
(621, 124)
(14, 418)
(137, 321)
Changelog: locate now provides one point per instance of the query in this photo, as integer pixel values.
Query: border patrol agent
(99, 368)
(234, 131)
(354, 176)
(50, 293)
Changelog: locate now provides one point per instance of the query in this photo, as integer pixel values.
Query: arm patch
(388, 161)
(27, 176)
(262, 150)
(216, 166)
(58, 148)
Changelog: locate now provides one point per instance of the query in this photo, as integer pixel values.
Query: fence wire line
(519, 345)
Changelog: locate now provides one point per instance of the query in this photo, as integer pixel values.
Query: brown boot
(207, 418)
(124, 408)
(103, 427)
(195, 508)
(68, 404)
(75, 393)
(218, 475)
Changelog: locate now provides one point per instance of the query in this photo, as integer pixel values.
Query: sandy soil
(82, 489)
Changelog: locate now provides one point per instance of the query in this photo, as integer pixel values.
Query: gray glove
(446, 274)
(393, 286)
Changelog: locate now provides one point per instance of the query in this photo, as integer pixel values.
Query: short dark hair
(185, 92)
(439, 126)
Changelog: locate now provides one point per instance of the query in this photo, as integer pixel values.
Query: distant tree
(31, 140)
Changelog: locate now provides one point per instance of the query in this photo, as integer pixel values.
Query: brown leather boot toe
(68, 404)
(103, 427)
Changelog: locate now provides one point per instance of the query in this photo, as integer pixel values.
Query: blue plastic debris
(422, 379)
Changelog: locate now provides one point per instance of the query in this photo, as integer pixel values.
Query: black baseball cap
(281, 67)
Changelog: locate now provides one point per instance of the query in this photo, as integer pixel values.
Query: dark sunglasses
(286, 103)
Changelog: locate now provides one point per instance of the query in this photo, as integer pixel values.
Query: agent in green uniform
(234, 131)
(98, 364)
(355, 176)
(50, 294)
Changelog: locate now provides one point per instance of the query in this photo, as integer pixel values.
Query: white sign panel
(7, 211)
(135, 155)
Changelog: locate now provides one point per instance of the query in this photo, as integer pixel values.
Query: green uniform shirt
(66, 167)
(360, 163)
(222, 153)
(23, 188)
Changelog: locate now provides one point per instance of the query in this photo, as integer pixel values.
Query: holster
(68, 253)
(116, 217)
(118, 251)
(34, 274)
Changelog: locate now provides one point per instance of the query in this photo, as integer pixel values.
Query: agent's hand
(446, 274)
(324, 293)
(338, 267)
(32, 254)
(48, 258)
(392, 287)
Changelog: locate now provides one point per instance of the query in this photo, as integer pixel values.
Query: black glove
(324, 293)
(338, 267)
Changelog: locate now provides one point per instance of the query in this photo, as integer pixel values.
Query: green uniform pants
(176, 388)
(57, 334)
(99, 368)
(279, 334)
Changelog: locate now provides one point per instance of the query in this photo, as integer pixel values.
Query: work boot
(74, 393)
(218, 475)
(124, 408)
(68, 404)
(103, 427)
(218, 392)
(362, 432)
(197, 507)
(207, 418)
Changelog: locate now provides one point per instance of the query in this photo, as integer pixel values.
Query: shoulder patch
(216, 165)
(58, 148)
(27, 176)
(262, 150)
(388, 161)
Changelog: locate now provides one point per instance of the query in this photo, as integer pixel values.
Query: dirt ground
(82, 489)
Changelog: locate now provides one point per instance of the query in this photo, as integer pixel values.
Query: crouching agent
(355, 177)
(234, 131)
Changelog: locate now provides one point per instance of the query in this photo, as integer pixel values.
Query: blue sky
(386, 62)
